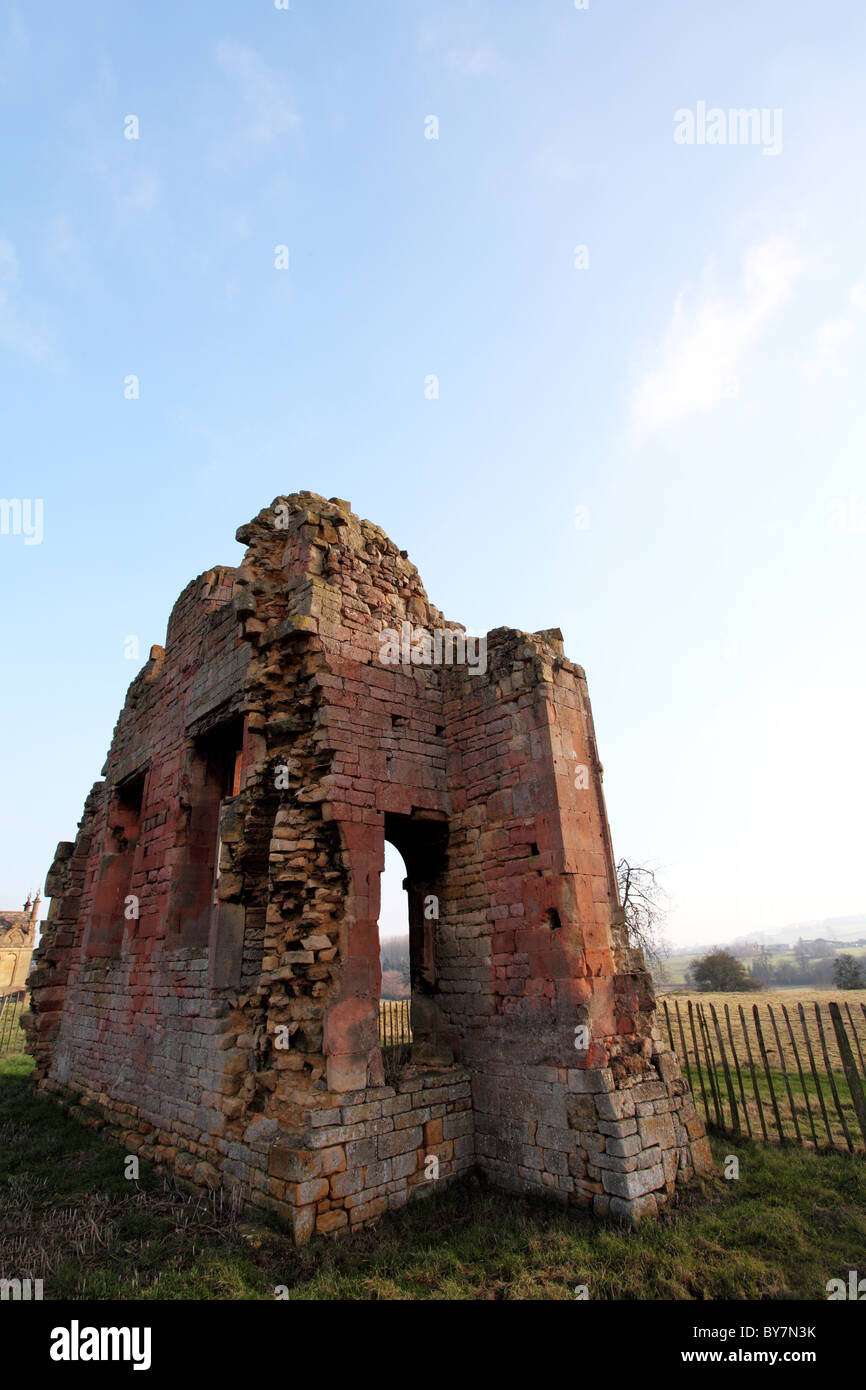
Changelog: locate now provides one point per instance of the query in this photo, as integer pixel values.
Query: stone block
(636, 1184)
(615, 1105)
(400, 1142)
(331, 1221)
(657, 1129)
(590, 1081)
(580, 1110)
(624, 1148)
(302, 1193)
(303, 1223)
(369, 1211)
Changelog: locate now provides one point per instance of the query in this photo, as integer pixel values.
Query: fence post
(735, 1118)
(698, 1061)
(832, 1079)
(758, 1100)
(818, 1087)
(737, 1065)
(856, 1038)
(858, 1100)
(769, 1077)
(11, 1008)
(785, 1073)
(802, 1076)
(711, 1068)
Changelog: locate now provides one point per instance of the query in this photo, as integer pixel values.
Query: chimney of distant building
(34, 910)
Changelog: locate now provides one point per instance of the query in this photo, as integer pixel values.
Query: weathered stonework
(261, 760)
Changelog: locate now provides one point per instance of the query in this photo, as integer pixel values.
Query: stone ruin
(207, 985)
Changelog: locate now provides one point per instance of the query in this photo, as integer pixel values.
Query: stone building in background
(17, 940)
(208, 980)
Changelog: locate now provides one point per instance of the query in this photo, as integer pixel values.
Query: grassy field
(793, 1220)
(778, 1000)
(797, 1101)
(673, 974)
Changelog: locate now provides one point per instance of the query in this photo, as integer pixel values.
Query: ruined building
(208, 979)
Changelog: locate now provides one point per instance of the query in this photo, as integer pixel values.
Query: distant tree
(822, 974)
(761, 970)
(644, 903)
(848, 973)
(803, 955)
(395, 956)
(721, 971)
(394, 986)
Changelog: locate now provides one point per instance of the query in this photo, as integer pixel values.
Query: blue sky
(697, 386)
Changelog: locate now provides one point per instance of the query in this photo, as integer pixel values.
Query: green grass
(780, 1089)
(793, 1220)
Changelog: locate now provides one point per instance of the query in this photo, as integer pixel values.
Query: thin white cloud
(705, 349)
(139, 194)
(467, 57)
(267, 113)
(8, 262)
(828, 356)
(827, 359)
(475, 62)
(63, 255)
(857, 296)
(17, 332)
(133, 192)
(14, 47)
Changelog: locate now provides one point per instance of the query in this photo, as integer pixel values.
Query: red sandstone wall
(239, 1041)
(133, 1024)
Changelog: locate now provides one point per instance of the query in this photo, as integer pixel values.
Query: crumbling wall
(125, 1018)
(260, 763)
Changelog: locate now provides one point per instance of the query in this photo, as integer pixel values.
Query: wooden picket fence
(11, 1035)
(395, 1036)
(776, 1075)
(395, 1027)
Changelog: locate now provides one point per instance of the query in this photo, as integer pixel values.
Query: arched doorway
(409, 1027)
(395, 1026)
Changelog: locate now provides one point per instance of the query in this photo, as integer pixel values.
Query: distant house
(17, 939)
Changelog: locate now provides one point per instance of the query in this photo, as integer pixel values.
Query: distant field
(781, 995)
(779, 999)
(673, 972)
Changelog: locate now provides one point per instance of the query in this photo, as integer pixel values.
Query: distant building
(17, 939)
